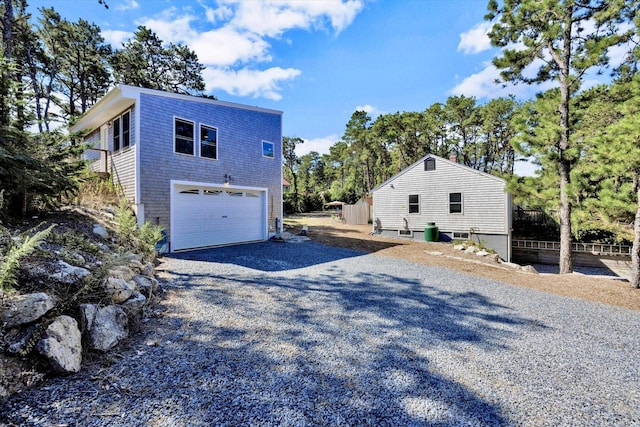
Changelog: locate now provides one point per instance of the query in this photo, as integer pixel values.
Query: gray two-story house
(208, 171)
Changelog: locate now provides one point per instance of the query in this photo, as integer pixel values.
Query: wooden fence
(359, 214)
(616, 258)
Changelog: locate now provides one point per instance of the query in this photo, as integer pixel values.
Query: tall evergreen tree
(611, 169)
(463, 123)
(497, 132)
(291, 162)
(146, 62)
(358, 139)
(551, 36)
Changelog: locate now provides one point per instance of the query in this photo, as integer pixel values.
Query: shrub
(126, 223)
(11, 261)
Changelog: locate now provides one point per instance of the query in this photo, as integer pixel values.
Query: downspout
(509, 226)
(136, 132)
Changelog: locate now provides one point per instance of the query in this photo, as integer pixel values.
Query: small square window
(267, 149)
(414, 203)
(455, 202)
(183, 133)
(208, 142)
(430, 164)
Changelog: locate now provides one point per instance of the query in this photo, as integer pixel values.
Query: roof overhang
(114, 102)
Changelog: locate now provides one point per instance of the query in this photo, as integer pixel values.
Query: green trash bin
(431, 233)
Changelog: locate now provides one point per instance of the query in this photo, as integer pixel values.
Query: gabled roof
(122, 97)
(440, 159)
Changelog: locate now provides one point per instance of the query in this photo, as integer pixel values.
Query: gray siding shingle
(240, 136)
(484, 199)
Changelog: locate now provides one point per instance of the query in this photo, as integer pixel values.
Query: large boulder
(99, 230)
(21, 309)
(69, 274)
(119, 290)
(146, 285)
(121, 272)
(135, 304)
(61, 344)
(148, 269)
(87, 316)
(110, 326)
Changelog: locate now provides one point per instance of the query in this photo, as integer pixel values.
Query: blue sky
(318, 61)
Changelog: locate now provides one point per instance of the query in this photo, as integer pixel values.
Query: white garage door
(210, 216)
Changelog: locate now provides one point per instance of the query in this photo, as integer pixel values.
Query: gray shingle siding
(486, 204)
(122, 164)
(240, 136)
(93, 157)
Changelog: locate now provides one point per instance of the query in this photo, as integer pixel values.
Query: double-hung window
(183, 136)
(414, 203)
(126, 129)
(116, 134)
(208, 142)
(122, 131)
(455, 203)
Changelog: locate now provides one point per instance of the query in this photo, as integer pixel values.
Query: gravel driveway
(305, 334)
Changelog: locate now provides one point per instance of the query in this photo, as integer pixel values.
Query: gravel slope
(305, 334)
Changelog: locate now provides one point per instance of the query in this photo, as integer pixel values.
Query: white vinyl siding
(485, 206)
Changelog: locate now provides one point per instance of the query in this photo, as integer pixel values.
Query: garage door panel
(209, 216)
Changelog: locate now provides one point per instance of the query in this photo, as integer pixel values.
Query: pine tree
(144, 61)
(550, 36)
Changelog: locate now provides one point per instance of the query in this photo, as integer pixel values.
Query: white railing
(593, 248)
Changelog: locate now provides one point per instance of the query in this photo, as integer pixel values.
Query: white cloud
(372, 111)
(475, 40)
(226, 47)
(170, 26)
(236, 40)
(115, 37)
(272, 18)
(128, 5)
(483, 84)
(246, 82)
(319, 145)
(525, 168)
(218, 14)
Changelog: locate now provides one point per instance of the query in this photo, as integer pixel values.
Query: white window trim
(262, 149)
(461, 203)
(460, 234)
(409, 204)
(121, 148)
(173, 138)
(200, 140)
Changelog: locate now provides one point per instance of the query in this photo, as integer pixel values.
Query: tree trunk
(7, 26)
(565, 220)
(635, 251)
(295, 191)
(563, 146)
